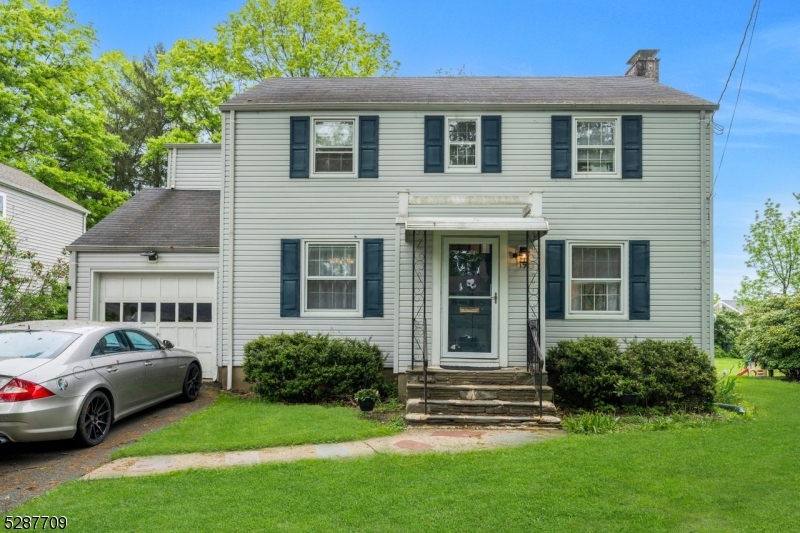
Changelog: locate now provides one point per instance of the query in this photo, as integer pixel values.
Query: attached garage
(153, 262)
(175, 307)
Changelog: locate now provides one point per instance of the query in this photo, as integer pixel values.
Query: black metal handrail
(535, 360)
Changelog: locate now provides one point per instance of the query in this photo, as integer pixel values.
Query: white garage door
(176, 307)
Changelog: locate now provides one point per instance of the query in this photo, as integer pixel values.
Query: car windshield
(34, 344)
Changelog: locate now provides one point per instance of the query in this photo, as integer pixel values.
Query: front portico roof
(530, 218)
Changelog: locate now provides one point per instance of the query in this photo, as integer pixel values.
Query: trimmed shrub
(303, 368)
(584, 372)
(674, 374)
(591, 373)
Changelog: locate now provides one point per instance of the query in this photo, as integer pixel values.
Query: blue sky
(698, 42)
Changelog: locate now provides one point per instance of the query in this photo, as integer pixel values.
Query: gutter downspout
(704, 198)
(220, 277)
(232, 196)
(73, 267)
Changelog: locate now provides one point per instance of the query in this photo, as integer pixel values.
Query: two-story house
(464, 224)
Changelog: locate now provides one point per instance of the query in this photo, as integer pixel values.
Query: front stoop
(506, 396)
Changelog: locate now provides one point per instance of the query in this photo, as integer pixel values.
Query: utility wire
(754, 20)
(741, 44)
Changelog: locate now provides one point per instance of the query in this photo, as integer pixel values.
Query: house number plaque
(470, 310)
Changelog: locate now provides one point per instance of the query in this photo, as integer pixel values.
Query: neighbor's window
(596, 279)
(333, 146)
(596, 145)
(462, 142)
(331, 277)
(2, 205)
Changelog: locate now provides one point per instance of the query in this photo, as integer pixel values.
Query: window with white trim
(463, 138)
(331, 277)
(334, 146)
(596, 145)
(596, 279)
(2, 205)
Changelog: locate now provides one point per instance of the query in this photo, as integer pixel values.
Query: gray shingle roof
(159, 219)
(465, 90)
(19, 180)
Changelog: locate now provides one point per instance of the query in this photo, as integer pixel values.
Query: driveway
(30, 469)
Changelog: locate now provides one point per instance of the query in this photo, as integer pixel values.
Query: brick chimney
(644, 63)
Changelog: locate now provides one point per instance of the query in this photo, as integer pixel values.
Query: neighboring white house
(463, 218)
(728, 305)
(44, 220)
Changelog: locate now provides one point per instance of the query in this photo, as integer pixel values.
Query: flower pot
(630, 398)
(366, 405)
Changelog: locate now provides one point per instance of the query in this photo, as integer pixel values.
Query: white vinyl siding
(663, 207)
(197, 167)
(42, 227)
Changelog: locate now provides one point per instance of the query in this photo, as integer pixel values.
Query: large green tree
(265, 39)
(136, 114)
(773, 245)
(52, 114)
(772, 335)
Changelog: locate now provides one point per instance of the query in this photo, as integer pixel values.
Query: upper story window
(331, 272)
(2, 205)
(596, 145)
(596, 279)
(463, 138)
(334, 146)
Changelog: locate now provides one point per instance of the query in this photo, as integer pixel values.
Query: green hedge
(301, 368)
(589, 372)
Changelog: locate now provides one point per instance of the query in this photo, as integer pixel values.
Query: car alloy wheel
(192, 383)
(95, 419)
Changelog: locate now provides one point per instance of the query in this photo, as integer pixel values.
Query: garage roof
(158, 219)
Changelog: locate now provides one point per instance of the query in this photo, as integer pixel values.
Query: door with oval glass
(470, 299)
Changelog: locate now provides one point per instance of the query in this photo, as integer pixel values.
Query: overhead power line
(754, 20)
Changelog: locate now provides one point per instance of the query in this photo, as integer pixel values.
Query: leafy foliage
(137, 114)
(727, 327)
(266, 39)
(772, 335)
(52, 114)
(592, 373)
(673, 374)
(309, 369)
(29, 290)
(585, 372)
(774, 248)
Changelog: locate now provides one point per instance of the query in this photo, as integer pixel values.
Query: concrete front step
(418, 419)
(479, 407)
(437, 391)
(502, 376)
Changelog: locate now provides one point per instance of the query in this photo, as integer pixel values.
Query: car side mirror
(168, 345)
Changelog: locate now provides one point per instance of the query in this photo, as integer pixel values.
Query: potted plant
(628, 391)
(366, 399)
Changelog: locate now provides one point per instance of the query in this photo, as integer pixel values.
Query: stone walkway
(410, 441)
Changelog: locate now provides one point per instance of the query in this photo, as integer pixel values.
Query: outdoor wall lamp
(151, 256)
(521, 256)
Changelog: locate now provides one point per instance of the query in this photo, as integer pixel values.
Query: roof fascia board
(314, 106)
(140, 249)
(29, 192)
(192, 146)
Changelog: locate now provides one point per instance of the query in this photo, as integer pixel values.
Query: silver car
(60, 380)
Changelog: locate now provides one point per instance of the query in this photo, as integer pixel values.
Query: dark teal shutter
(368, 147)
(639, 273)
(561, 147)
(632, 146)
(555, 260)
(299, 140)
(290, 277)
(434, 144)
(491, 152)
(373, 277)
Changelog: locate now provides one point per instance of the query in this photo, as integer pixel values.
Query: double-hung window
(331, 278)
(334, 146)
(596, 145)
(596, 279)
(2, 205)
(463, 139)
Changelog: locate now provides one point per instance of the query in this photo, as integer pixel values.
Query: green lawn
(723, 477)
(235, 423)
